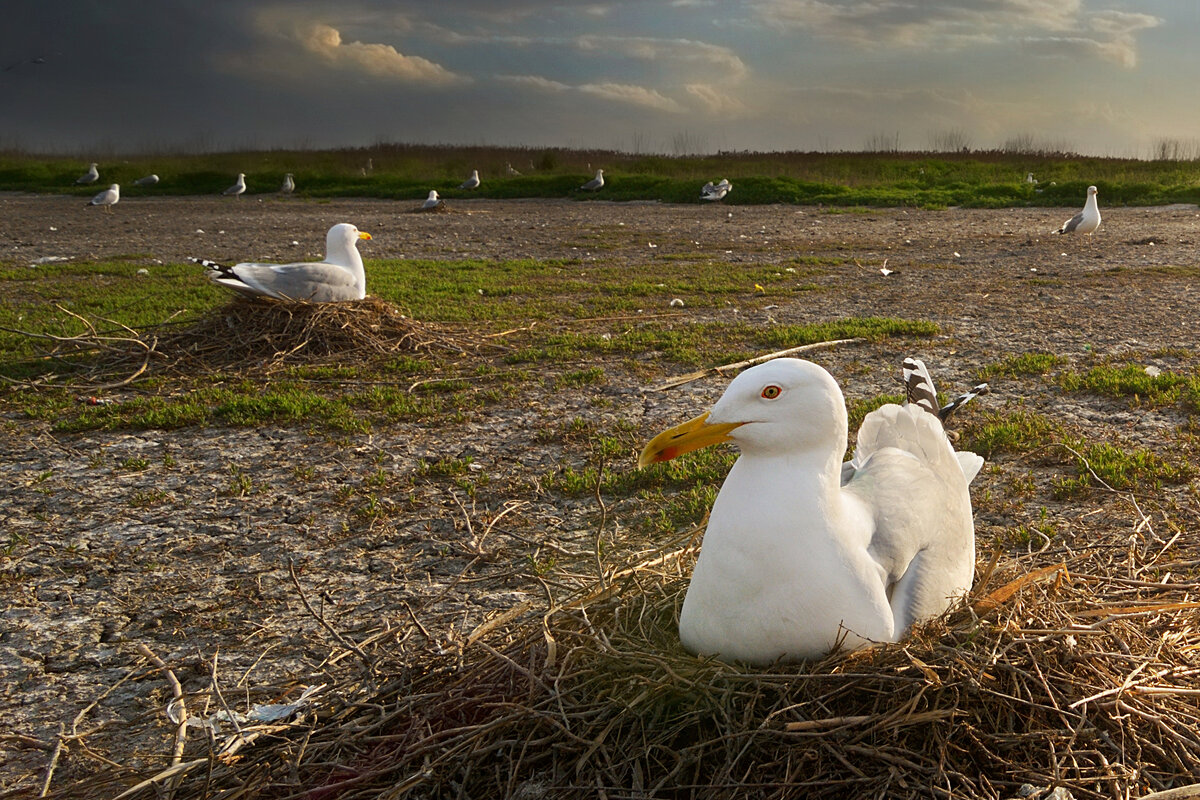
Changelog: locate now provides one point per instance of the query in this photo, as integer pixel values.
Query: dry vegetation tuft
(1081, 674)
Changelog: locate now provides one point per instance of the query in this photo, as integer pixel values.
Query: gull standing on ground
(471, 182)
(108, 198)
(237, 188)
(1029, 178)
(508, 169)
(339, 277)
(148, 180)
(91, 176)
(1086, 221)
(804, 554)
(596, 183)
(433, 201)
(289, 184)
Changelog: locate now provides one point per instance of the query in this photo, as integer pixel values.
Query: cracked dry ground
(191, 553)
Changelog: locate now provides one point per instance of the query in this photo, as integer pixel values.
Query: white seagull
(508, 169)
(238, 187)
(716, 191)
(91, 176)
(471, 182)
(596, 183)
(289, 184)
(339, 277)
(108, 198)
(1029, 178)
(1086, 221)
(804, 553)
(148, 180)
(433, 201)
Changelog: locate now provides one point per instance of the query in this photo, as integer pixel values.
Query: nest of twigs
(440, 208)
(245, 334)
(1080, 674)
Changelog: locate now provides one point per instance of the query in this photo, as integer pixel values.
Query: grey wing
(314, 282)
(914, 486)
(1074, 222)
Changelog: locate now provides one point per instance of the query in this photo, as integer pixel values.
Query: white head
(433, 195)
(783, 405)
(241, 176)
(599, 173)
(116, 187)
(1093, 191)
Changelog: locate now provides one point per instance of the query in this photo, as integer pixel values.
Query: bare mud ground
(172, 557)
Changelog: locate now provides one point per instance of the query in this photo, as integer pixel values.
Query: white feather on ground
(339, 277)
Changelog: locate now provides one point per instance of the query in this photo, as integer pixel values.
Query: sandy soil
(186, 559)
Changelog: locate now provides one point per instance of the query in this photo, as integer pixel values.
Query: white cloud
(715, 101)
(1038, 26)
(378, 60)
(633, 95)
(533, 82)
(686, 51)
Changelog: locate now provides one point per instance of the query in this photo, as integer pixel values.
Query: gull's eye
(771, 392)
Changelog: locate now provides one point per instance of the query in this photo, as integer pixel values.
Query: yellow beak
(364, 235)
(684, 438)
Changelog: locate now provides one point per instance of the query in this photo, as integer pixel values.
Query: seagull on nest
(108, 198)
(339, 277)
(91, 176)
(471, 182)
(1086, 221)
(596, 183)
(433, 201)
(238, 187)
(804, 554)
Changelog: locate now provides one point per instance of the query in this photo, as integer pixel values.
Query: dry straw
(1080, 673)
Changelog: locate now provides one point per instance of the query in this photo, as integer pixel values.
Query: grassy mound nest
(1078, 674)
(244, 334)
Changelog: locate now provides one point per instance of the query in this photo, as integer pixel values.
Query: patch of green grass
(1131, 381)
(1020, 365)
(872, 328)
(1019, 431)
(1119, 468)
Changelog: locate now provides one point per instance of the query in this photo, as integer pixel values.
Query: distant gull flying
(108, 198)
(1086, 221)
(339, 277)
(91, 176)
(471, 182)
(237, 188)
(595, 183)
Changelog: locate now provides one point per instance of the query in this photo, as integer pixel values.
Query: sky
(1099, 77)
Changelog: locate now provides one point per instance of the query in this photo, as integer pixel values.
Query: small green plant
(135, 464)
(1020, 365)
(240, 484)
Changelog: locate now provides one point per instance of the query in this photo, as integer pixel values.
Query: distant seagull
(370, 165)
(289, 184)
(149, 180)
(1085, 221)
(1029, 178)
(91, 176)
(596, 183)
(239, 187)
(508, 168)
(716, 191)
(108, 198)
(339, 277)
(471, 182)
(433, 201)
